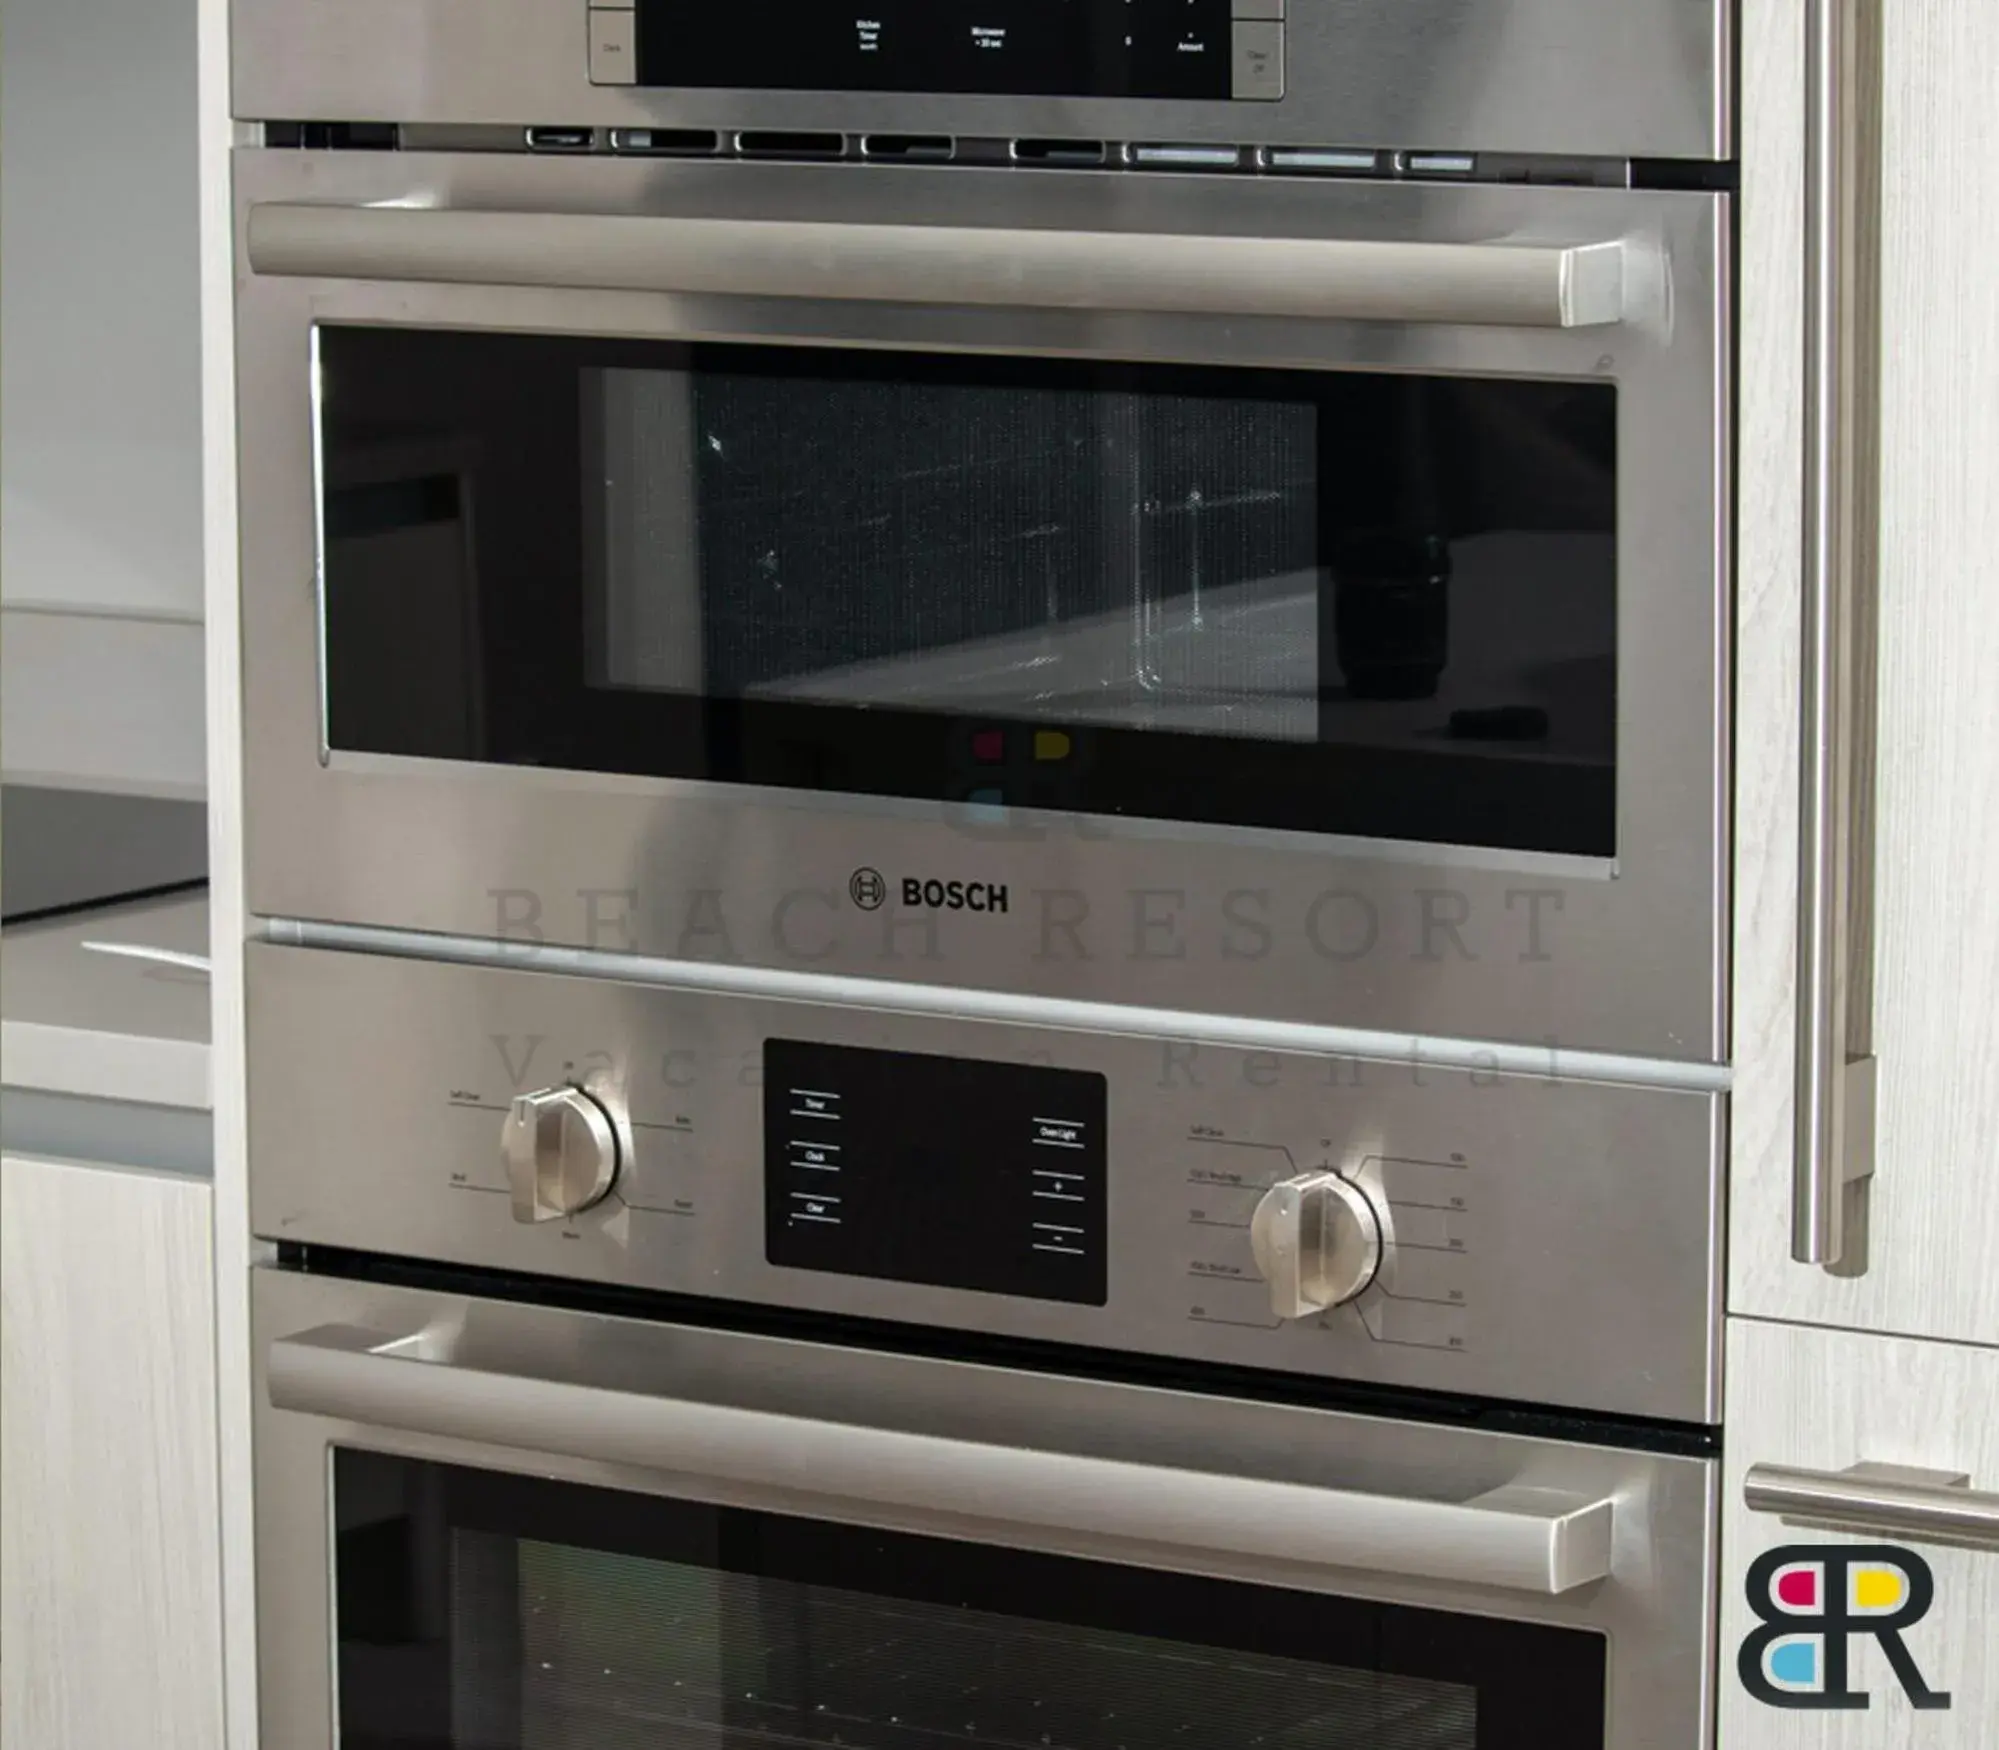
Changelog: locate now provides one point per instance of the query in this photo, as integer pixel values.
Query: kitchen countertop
(77, 1022)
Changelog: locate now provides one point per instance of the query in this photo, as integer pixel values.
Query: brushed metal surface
(1519, 1539)
(1623, 956)
(1556, 1242)
(1314, 278)
(1833, 1117)
(1318, 1242)
(1879, 1500)
(560, 1146)
(1655, 1608)
(896, 996)
(1639, 78)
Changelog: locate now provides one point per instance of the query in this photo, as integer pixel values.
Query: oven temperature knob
(1317, 1241)
(561, 1147)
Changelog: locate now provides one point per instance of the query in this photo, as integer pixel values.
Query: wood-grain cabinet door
(1823, 1400)
(1934, 1200)
(110, 1582)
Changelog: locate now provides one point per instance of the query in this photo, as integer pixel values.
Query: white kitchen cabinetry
(110, 1607)
(1823, 1400)
(1934, 1215)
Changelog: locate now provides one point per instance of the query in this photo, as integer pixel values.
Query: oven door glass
(1324, 601)
(481, 1610)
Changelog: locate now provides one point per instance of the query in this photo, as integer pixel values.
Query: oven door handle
(1522, 1538)
(1504, 284)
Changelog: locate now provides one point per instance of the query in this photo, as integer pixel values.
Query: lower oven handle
(1519, 285)
(1520, 1538)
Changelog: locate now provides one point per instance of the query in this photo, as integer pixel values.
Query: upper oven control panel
(1188, 49)
(1504, 1236)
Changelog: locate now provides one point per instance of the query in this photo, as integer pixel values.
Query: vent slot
(1179, 155)
(679, 141)
(909, 148)
(561, 139)
(1437, 163)
(1323, 160)
(790, 143)
(334, 136)
(1058, 152)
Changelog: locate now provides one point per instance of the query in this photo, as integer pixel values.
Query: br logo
(1812, 1598)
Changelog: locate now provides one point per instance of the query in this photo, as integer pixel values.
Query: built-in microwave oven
(1246, 597)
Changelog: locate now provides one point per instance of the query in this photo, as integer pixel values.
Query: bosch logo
(954, 895)
(867, 888)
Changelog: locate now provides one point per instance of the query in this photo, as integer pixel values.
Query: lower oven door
(492, 1526)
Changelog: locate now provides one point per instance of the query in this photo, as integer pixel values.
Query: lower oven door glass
(482, 1610)
(1324, 601)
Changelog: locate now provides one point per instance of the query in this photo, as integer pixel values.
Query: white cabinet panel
(1935, 1199)
(1823, 1400)
(110, 1606)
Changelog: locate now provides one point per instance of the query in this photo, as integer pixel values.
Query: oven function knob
(561, 1148)
(1317, 1241)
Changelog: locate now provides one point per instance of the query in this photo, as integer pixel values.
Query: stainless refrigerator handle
(1522, 1538)
(1833, 1141)
(1519, 285)
(1926, 1506)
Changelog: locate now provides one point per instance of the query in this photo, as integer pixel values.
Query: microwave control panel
(1457, 1229)
(1188, 49)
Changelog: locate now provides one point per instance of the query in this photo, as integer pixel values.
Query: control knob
(1317, 1241)
(561, 1149)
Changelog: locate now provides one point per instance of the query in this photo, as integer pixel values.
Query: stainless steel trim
(1498, 284)
(1519, 1537)
(1555, 1062)
(1928, 1506)
(1833, 1080)
(315, 392)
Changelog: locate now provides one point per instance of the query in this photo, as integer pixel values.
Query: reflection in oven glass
(620, 1651)
(1074, 553)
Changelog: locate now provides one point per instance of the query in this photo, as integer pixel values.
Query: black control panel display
(939, 1170)
(1056, 48)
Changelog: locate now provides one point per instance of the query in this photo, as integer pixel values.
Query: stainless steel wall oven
(987, 785)
(643, 1362)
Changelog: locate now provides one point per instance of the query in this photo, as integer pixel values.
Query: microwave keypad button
(613, 46)
(1258, 67)
(1257, 8)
